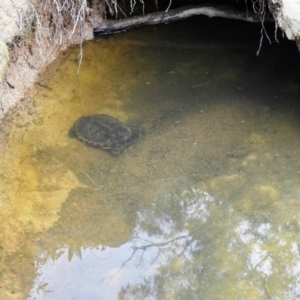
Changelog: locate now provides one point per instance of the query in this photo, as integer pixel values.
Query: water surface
(204, 206)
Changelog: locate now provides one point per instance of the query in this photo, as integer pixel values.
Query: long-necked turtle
(104, 132)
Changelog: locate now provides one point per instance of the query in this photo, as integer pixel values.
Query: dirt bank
(32, 35)
(287, 15)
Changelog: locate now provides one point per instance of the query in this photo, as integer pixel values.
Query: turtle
(104, 132)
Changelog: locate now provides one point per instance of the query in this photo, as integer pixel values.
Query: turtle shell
(102, 131)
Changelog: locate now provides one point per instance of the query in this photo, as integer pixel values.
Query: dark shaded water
(204, 206)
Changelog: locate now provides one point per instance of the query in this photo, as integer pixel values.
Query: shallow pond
(205, 205)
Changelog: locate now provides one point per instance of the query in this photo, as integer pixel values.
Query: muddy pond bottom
(203, 205)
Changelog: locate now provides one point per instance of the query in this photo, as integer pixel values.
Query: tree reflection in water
(204, 248)
(187, 245)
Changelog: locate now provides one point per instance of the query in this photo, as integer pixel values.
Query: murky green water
(204, 206)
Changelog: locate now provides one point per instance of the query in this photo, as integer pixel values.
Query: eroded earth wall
(30, 40)
(16, 17)
(287, 15)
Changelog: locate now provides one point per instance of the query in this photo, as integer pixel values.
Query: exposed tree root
(114, 26)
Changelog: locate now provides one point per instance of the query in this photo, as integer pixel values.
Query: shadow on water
(206, 203)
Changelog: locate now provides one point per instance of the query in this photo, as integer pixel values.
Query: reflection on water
(206, 203)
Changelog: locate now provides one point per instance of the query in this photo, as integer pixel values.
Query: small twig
(170, 3)
(9, 84)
